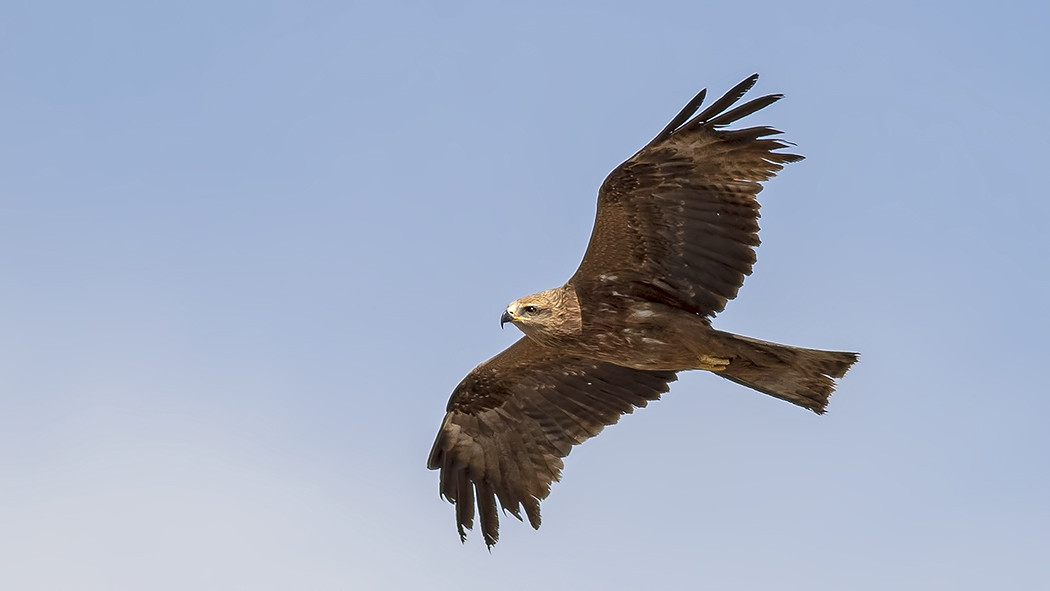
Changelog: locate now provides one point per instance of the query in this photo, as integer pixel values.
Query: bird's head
(529, 312)
(547, 314)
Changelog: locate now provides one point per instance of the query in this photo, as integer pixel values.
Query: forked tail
(801, 376)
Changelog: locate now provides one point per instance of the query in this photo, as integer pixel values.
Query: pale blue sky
(248, 249)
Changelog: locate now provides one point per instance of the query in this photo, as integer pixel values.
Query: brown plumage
(673, 239)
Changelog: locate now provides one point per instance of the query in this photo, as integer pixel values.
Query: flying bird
(674, 236)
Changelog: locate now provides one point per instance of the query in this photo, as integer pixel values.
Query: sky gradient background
(247, 250)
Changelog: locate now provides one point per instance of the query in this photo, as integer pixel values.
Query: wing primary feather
(465, 504)
(751, 133)
(727, 99)
(532, 510)
(681, 117)
(745, 109)
(449, 483)
(487, 512)
(508, 468)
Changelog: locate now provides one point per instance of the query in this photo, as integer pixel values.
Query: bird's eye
(529, 309)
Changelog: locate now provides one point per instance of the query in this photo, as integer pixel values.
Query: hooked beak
(505, 318)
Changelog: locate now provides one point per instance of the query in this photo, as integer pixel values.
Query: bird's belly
(641, 349)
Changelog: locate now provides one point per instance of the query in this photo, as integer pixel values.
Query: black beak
(505, 318)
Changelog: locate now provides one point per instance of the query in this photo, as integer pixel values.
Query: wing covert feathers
(682, 214)
(512, 420)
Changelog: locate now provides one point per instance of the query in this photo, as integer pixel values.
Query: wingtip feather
(727, 99)
(682, 116)
(715, 114)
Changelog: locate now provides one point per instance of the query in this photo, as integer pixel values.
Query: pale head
(547, 315)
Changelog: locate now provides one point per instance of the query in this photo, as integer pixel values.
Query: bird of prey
(674, 236)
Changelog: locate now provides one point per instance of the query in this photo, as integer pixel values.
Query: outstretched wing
(678, 221)
(511, 421)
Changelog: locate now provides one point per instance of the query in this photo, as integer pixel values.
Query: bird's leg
(712, 363)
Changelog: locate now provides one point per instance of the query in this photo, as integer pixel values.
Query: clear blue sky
(248, 249)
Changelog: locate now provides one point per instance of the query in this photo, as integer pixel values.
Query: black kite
(674, 237)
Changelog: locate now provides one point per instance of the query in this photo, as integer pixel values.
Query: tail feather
(801, 376)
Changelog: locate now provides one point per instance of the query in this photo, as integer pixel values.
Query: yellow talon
(711, 363)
